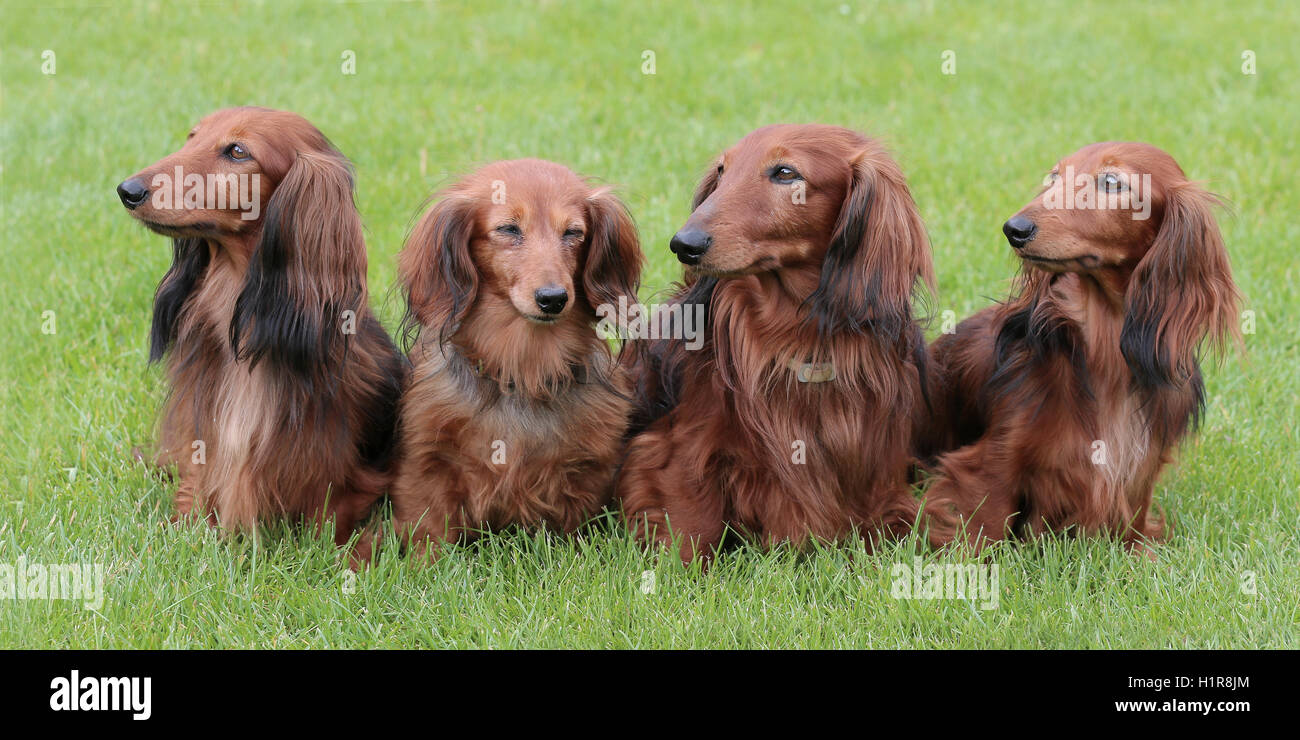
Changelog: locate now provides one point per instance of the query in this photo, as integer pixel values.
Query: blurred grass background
(442, 87)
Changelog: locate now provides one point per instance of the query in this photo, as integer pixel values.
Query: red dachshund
(516, 410)
(1058, 409)
(283, 385)
(795, 417)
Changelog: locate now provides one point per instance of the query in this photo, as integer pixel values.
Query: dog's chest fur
(1121, 449)
(1125, 441)
(235, 420)
(507, 436)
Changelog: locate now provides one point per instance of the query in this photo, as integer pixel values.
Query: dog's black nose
(1019, 230)
(551, 299)
(690, 245)
(132, 192)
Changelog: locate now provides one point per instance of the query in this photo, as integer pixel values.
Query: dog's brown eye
(1111, 182)
(510, 230)
(237, 153)
(784, 174)
(573, 233)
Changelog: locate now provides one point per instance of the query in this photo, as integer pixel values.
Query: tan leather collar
(812, 372)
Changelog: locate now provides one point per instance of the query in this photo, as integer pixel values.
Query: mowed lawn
(441, 88)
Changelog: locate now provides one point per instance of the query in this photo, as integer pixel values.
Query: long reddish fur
(1057, 410)
(508, 421)
(283, 385)
(827, 280)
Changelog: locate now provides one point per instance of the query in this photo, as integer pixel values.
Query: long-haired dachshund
(283, 384)
(794, 418)
(517, 409)
(1058, 409)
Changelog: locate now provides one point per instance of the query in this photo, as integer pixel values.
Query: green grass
(466, 85)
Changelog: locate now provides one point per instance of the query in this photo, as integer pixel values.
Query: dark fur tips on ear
(379, 426)
(266, 324)
(308, 269)
(614, 259)
(878, 253)
(1148, 359)
(189, 260)
(1181, 293)
(840, 302)
(437, 272)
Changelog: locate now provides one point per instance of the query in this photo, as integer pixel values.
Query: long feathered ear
(1180, 294)
(436, 269)
(189, 260)
(877, 254)
(613, 264)
(308, 269)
